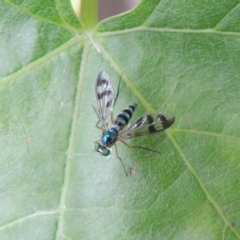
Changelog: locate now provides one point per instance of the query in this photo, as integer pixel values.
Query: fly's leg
(97, 124)
(148, 149)
(115, 145)
(112, 118)
(120, 159)
(115, 100)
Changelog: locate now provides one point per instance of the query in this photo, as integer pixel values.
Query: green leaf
(173, 56)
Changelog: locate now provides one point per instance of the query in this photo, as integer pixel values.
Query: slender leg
(112, 118)
(148, 149)
(115, 100)
(95, 110)
(115, 145)
(120, 159)
(97, 126)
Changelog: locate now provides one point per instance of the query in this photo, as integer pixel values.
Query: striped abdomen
(123, 118)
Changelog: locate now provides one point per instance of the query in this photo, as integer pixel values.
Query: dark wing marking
(105, 98)
(148, 124)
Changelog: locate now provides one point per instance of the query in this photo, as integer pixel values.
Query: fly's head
(102, 149)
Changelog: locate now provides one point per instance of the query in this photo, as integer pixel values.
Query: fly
(121, 129)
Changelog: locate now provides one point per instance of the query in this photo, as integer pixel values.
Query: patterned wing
(105, 98)
(148, 124)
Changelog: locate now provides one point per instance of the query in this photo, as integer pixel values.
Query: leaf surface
(173, 56)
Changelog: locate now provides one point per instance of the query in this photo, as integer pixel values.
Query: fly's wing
(148, 124)
(105, 98)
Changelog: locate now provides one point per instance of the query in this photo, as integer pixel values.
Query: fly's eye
(105, 152)
(97, 147)
(102, 150)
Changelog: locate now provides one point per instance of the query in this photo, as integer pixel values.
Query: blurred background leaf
(175, 56)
